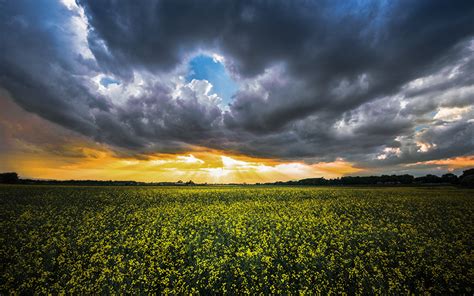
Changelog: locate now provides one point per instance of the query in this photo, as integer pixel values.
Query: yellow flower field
(245, 240)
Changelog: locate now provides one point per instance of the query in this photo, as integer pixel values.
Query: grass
(270, 240)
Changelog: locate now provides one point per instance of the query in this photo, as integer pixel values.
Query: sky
(235, 91)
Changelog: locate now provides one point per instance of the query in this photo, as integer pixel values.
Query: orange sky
(451, 163)
(200, 167)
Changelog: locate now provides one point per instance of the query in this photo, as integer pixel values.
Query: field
(273, 240)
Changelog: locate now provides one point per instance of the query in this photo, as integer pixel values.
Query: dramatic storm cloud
(376, 83)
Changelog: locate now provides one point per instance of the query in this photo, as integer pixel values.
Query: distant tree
(468, 172)
(467, 178)
(467, 181)
(9, 178)
(312, 181)
(428, 179)
(405, 179)
(190, 182)
(449, 178)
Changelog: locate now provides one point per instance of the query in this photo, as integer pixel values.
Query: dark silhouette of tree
(468, 172)
(428, 179)
(467, 178)
(9, 178)
(449, 178)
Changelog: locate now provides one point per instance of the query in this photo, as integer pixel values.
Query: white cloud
(218, 58)
(80, 28)
(229, 162)
(119, 93)
(389, 152)
(189, 159)
(199, 90)
(425, 147)
(451, 114)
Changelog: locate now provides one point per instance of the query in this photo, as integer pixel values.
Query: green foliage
(271, 240)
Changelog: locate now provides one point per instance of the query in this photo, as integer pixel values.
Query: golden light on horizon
(450, 163)
(201, 167)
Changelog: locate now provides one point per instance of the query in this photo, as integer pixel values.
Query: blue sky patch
(203, 67)
(106, 81)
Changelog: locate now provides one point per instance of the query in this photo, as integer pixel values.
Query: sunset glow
(202, 167)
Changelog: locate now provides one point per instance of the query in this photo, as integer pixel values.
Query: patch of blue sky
(421, 127)
(106, 81)
(203, 67)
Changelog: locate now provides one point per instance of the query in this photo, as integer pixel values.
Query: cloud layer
(377, 83)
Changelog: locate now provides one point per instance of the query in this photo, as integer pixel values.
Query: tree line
(13, 178)
(466, 180)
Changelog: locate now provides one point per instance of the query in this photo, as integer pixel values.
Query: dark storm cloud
(321, 43)
(36, 66)
(318, 79)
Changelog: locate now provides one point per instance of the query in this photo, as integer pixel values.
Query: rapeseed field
(240, 240)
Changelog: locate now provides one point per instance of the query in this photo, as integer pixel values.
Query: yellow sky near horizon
(201, 167)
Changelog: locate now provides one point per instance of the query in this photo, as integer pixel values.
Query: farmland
(272, 240)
